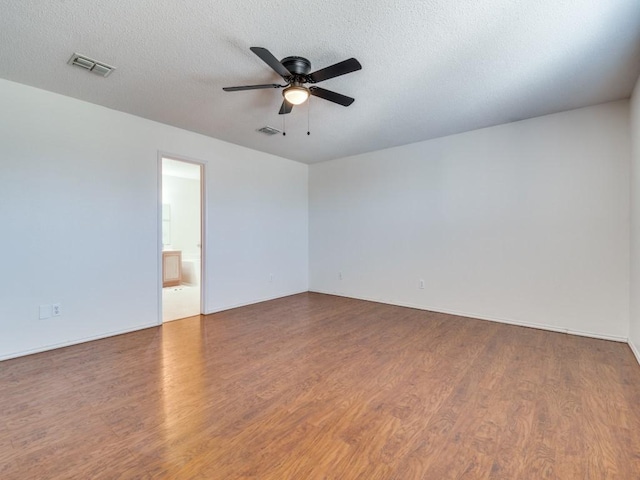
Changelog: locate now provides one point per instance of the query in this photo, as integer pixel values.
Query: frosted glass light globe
(296, 95)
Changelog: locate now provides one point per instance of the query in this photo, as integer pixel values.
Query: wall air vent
(94, 66)
(268, 130)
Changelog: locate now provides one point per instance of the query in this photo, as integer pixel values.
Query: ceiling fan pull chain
(283, 126)
(308, 115)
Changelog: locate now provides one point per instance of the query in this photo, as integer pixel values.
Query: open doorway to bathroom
(181, 187)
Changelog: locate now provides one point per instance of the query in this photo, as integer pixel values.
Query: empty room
(303, 241)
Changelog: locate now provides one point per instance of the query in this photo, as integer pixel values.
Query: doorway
(182, 214)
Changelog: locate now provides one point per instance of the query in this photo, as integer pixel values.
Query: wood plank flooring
(320, 387)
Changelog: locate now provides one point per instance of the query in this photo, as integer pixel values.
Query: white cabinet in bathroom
(171, 268)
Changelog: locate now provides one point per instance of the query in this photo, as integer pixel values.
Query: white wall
(79, 207)
(634, 333)
(526, 223)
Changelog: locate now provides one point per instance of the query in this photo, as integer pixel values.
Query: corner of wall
(634, 281)
(634, 349)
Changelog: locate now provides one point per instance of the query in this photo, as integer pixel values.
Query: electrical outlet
(421, 284)
(56, 310)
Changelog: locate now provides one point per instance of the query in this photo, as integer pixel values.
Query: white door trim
(203, 226)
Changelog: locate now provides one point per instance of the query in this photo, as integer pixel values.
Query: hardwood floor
(320, 387)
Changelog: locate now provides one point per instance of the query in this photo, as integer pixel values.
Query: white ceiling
(430, 68)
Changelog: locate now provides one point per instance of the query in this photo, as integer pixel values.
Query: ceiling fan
(295, 72)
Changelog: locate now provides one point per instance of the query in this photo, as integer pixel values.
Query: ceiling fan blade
(285, 108)
(251, 87)
(267, 57)
(331, 96)
(341, 68)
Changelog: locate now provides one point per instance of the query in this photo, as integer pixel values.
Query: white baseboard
(635, 350)
(129, 330)
(539, 326)
(77, 341)
(252, 302)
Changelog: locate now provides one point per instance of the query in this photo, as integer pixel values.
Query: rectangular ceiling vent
(268, 130)
(99, 68)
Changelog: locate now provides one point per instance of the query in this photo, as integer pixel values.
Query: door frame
(203, 226)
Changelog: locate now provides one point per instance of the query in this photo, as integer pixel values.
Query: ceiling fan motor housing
(297, 65)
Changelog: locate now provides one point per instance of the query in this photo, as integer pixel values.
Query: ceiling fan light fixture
(296, 95)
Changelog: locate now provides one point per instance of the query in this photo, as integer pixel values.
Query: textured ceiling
(430, 68)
